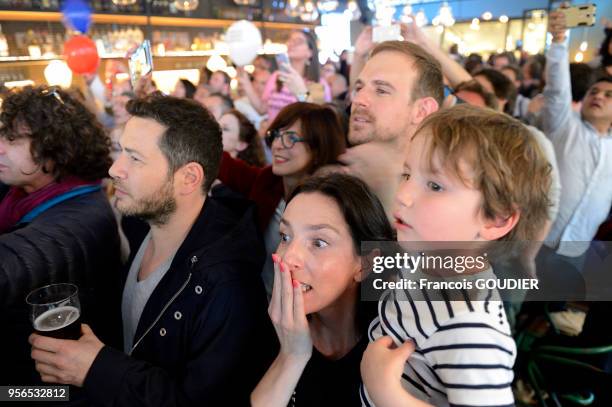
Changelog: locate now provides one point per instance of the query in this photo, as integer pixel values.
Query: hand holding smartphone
(140, 62)
(384, 33)
(579, 15)
(282, 59)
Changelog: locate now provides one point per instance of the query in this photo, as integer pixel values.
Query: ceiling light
(186, 5)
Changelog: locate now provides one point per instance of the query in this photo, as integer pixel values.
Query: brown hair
(503, 87)
(253, 154)
(312, 72)
(509, 168)
(428, 81)
(320, 127)
(475, 87)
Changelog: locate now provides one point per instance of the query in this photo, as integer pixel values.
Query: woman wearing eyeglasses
(303, 137)
(296, 80)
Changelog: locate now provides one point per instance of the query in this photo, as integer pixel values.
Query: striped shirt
(464, 351)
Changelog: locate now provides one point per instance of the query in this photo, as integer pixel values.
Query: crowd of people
(215, 234)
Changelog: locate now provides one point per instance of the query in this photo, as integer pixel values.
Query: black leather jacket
(74, 241)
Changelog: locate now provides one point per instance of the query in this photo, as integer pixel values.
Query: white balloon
(244, 41)
(57, 73)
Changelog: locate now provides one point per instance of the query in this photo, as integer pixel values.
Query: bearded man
(193, 307)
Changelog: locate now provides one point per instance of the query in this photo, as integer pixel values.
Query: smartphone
(140, 62)
(580, 15)
(282, 59)
(382, 33)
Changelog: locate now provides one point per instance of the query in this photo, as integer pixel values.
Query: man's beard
(364, 135)
(155, 209)
(361, 137)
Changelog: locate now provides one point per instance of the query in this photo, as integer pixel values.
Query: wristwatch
(303, 96)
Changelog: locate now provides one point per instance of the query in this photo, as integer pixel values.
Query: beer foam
(56, 318)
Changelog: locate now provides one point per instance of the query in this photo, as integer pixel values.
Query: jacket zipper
(193, 260)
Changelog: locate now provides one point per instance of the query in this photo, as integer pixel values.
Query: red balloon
(81, 54)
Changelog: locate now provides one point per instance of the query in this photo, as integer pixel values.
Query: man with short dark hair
(500, 85)
(582, 77)
(258, 79)
(193, 308)
(218, 104)
(219, 82)
(521, 105)
(398, 87)
(503, 59)
(56, 225)
(473, 93)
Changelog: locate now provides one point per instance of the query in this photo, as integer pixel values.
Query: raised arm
(243, 79)
(557, 109)
(363, 46)
(451, 69)
(237, 174)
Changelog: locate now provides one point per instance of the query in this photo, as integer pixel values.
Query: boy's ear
(498, 227)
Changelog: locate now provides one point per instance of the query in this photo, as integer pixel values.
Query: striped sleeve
(472, 358)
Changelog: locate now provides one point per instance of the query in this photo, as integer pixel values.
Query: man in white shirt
(583, 146)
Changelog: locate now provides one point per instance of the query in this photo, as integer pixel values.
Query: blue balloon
(77, 15)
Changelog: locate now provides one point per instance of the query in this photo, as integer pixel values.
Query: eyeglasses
(52, 91)
(288, 138)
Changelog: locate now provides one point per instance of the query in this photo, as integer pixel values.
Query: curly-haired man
(56, 224)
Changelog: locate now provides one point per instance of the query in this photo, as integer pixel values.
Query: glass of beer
(55, 311)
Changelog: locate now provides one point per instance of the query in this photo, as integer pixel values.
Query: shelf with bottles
(117, 55)
(159, 7)
(40, 16)
(224, 17)
(44, 41)
(153, 7)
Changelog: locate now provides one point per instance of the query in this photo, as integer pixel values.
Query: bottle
(4, 49)
(171, 7)
(47, 44)
(33, 44)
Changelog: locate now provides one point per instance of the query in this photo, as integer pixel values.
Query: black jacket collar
(224, 232)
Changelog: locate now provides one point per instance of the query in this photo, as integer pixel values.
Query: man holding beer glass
(56, 311)
(194, 307)
(56, 225)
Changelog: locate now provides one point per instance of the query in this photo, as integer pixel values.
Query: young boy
(470, 175)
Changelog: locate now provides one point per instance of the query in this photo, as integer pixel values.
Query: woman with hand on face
(303, 137)
(315, 308)
(296, 81)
